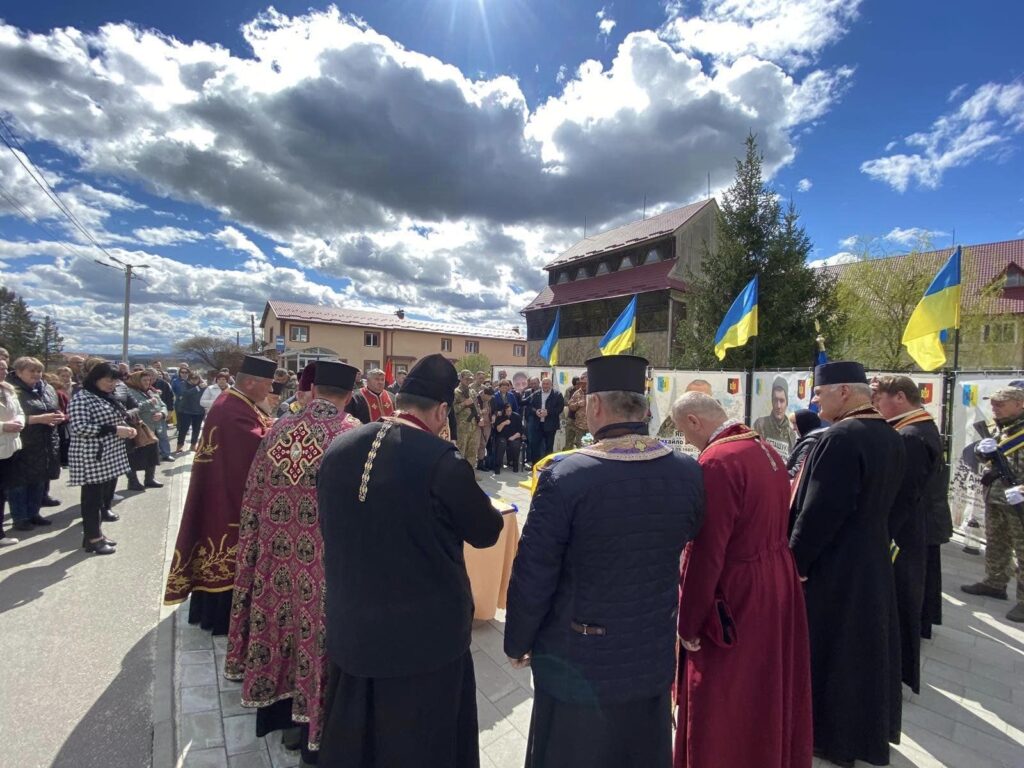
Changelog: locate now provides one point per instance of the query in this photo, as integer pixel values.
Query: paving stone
(240, 734)
(231, 703)
(198, 674)
(492, 724)
(279, 756)
(517, 708)
(250, 760)
(195, 657)
(491, 680)
(206, 758)
(195, 641)
(509, 751)
(991, 743)
(201, 730)
(199, 698)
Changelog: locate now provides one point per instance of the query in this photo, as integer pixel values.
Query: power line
(27, 215)
(36, 175)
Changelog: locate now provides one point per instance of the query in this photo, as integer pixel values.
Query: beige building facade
(300, 333)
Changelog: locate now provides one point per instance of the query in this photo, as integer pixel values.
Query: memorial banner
(664, 387)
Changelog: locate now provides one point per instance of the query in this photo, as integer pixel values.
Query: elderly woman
(28, 472)
(98, 452)
(152, 413)
(12, 421)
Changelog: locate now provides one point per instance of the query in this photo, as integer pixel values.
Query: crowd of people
(778, 606)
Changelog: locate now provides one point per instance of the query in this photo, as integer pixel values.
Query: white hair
(698, 404)
(627, 405)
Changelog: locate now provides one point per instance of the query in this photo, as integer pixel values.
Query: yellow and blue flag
(622, 334)
(740, 322)
(937, 311)
(550, 349)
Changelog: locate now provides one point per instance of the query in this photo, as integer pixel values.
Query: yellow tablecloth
(490, 570)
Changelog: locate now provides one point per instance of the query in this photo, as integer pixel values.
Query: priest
(595, 585)
(844, 496)
(275, 640)
(745, 680)
(396, 505)
(898, 398)
(372, 402)
(204, 554)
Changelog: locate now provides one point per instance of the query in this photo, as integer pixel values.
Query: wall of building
(347, 342)
(691, 239)
(576, 351)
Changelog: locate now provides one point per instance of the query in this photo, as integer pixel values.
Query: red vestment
(380, 405)
(745, 696)
(204, 554)
(276, 638)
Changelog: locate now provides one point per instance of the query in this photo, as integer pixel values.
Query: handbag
(144, 436)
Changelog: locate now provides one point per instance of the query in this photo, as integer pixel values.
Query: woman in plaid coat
(98, 454)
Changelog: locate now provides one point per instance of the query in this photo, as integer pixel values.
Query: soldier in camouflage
(1004, 520)
(467, 418)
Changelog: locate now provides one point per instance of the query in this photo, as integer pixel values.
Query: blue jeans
(162, 441)
(26, 501)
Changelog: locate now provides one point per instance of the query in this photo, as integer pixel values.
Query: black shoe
(169, 459)
(984, 590)
(109, 517)
(40, 520)
(291, 738)
(85, 542)
(136, 486)
(50, 502)
(152, 484)
(23, 525)
(100, 547)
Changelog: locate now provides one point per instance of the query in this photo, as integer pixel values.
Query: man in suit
(546, 405)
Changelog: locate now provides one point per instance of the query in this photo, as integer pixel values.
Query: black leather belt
(587, 629)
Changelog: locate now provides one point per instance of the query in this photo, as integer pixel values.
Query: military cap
(433, 377)
(618, 373)
(1003, 394)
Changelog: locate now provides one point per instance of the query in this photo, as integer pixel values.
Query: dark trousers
(505, 448)
(26, 500)
(96, 497)
(535, 441)
(186, 421)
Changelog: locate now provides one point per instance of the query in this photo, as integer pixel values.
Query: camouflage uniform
(1004, 530)
(577, 403)
(467, 429)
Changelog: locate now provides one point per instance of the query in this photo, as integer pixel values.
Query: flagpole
(748, 406)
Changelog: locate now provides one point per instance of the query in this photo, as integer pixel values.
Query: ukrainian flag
(622, 334)
(550, 349)
(937, 311)
(740, 322)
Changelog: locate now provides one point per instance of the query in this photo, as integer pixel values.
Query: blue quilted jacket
(601, 547)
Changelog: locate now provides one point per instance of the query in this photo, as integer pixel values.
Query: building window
(472, 347)
(999, 333)
(371, 339)
(299, 333)
(602, 269)
(562, 277)
(446, 345)
(370, 365)
(1014, 279)
(518, 350)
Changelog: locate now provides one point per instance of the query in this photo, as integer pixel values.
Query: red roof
(625, 282)
(982, 265)
(630, 234)
(316, 313)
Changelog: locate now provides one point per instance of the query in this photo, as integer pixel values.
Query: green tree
(756, 236)
(214, 353)
(49, 342)
(19, 333)
(475, 363)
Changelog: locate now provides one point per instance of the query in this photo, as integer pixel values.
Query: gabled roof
(630, 234)
(625, 282)
(316, 313)
(982, 265)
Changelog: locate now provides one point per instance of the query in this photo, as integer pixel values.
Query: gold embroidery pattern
(628, 448)
(364, 483)
(207, 447)
(207, 563)
(295, 452)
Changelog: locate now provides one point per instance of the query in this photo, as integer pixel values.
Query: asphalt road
(78, 635)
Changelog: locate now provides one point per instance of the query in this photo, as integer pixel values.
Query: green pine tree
(755, 236)
(18, 331)
(49, 342)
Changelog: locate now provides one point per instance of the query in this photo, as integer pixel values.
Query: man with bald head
(740, 551)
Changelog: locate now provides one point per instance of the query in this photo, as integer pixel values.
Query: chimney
(400, 314)
(515, 329)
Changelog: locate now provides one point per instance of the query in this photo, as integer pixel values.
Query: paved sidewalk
(970, 713)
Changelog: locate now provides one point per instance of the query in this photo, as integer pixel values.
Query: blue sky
(434, 154)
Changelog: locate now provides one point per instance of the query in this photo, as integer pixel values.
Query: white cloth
(10, 410)
(210, 395)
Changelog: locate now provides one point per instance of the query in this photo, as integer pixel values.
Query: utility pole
(46, 342)
(128, 277)
(252, 322)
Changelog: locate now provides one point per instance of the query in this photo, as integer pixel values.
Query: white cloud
(605, 23)
(983, 126)
(843, 257)
(563, 72)
(848, 243)
(910, 237)
(166, 235)
(804, 185)
(787, 32)
(361, 160)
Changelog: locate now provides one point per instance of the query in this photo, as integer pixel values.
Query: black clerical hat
(332, 374)
(277, 387)
(623, 373)
(839, 372)
(433, 377)
(261, 367)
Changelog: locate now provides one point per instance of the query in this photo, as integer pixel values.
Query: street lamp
(128, 277)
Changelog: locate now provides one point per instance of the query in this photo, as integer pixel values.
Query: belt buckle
(586, 629)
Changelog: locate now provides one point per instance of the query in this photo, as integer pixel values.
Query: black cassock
(840, 542)
(923, 447)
